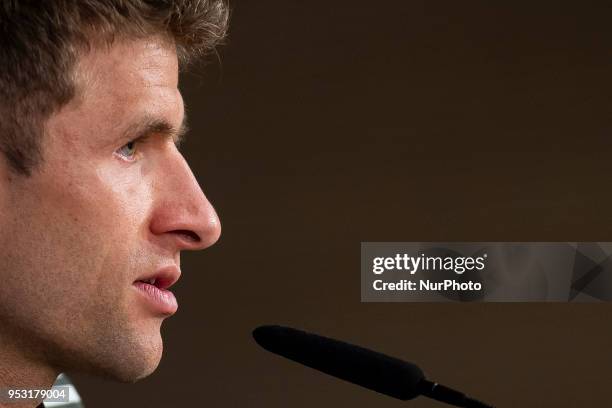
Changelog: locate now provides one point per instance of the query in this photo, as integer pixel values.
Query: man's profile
(96, 201)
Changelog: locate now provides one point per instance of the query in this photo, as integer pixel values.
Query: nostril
(189, 235)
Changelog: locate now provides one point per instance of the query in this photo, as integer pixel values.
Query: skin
(93, 218)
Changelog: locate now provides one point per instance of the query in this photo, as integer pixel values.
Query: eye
(128, 150)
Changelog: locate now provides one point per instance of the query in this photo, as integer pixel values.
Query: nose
(182, 216)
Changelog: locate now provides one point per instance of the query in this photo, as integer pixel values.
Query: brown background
(332, 123)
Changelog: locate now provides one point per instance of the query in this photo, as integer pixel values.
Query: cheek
(118, 212)
(54, 253)
(83, 235)
(78, 246)
(127, 189)
(113, 211)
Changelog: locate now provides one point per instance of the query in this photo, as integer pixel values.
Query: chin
(139, 365)
(123, 359)
(129, 373)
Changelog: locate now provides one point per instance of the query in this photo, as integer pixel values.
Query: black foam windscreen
(367, 368)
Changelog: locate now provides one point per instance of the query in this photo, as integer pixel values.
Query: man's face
(101, 214)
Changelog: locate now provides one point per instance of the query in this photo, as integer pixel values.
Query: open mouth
(152, 281)
(160, 300)
(161, 279)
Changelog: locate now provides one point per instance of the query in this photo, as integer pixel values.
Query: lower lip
(161, 300)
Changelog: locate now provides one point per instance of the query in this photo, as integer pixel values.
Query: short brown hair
(40, 42)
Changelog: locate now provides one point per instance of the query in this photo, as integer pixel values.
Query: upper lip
(164, 277)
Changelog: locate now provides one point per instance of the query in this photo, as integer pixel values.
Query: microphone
(370, 369)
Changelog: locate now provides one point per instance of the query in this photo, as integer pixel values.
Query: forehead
(127, 79)
(150, 62)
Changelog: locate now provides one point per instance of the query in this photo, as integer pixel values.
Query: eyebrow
(150, 125)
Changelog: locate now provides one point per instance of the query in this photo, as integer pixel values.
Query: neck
(22, 370)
